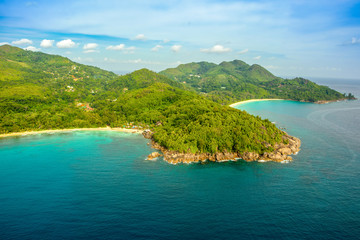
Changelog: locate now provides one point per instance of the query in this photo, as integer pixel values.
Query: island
(47, 92)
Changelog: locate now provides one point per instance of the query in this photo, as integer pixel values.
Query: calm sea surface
(98, 185)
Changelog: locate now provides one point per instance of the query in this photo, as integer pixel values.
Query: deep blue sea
(98, 185)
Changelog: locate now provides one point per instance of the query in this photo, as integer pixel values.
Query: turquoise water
(98, 185)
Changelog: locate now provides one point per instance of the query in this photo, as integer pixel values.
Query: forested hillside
(41, 91)
(233, 81)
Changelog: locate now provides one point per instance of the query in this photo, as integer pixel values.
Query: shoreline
(254, 100)
(14, 134)
(282, 153)
(278, 99)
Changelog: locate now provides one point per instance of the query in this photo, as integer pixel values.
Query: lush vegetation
(187, 122)
(233, 81)
(41, 91)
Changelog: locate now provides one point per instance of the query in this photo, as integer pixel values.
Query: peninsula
(47, 92)
(235, 81)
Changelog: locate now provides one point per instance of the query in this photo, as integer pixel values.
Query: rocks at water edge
(153, 155)
(147, 134)
(281, 152)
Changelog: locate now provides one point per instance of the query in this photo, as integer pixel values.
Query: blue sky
(290, 38)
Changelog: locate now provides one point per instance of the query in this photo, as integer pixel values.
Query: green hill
(233, 81)
(188, 122)
(142, 78)
(41, 91)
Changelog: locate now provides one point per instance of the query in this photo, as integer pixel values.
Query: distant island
(183, 110)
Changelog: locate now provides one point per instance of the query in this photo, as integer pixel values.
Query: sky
(290, 38)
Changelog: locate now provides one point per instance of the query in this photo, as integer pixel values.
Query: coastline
(276, 99)
(282, 153)
(254, 100)
(14, 134)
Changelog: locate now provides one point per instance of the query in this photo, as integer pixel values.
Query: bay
(98, 185)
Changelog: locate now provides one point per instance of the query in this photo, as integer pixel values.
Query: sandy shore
(253, 100)
(71, 130)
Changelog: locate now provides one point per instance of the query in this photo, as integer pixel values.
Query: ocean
(98, 185)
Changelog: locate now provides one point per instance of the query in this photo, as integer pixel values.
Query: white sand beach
(71, 130)
(253, 100)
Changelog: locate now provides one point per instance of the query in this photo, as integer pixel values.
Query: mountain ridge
(236, 80)
(52, 92)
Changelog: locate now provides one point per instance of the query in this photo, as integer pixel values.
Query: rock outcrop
(147, 134)
(281, 153)
(153, 155)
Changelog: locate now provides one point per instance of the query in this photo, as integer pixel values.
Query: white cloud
(257, 57)
(244, 51)
(46, 43)
(166, 40)
(176, 48)
(68, 43)
(140, 37)
(216, 49)
(3, 43)
(117, 47)
(32, 48)
(121, 47)
(90, 51)
(156, 48)
(90, 46)
(23, 41)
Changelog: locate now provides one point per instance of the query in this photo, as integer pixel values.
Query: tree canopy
(233, 81)
(41, 91)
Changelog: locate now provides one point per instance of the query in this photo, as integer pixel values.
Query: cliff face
(282, 152)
